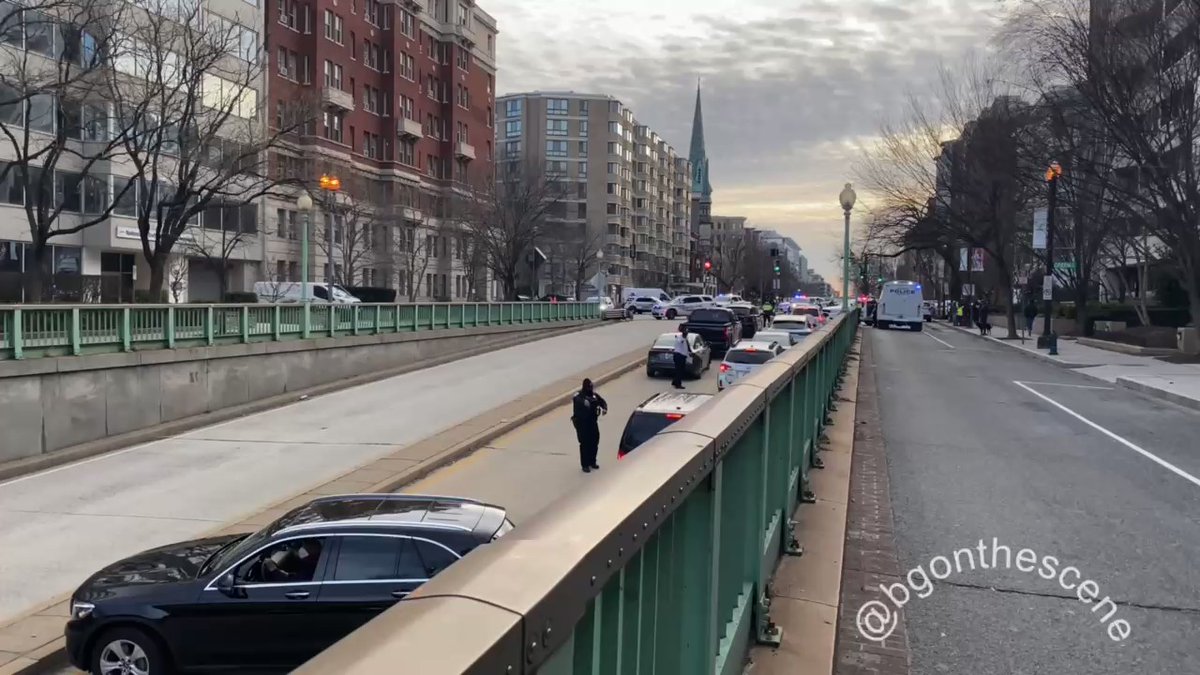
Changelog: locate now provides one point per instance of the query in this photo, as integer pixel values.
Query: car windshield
(642, 427)
(777, 336)
(740, 310)
(234, 550)
(756, 357)
(711, 315)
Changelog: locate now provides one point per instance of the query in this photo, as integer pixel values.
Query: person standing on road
(981, 313)
(768, 312)
(683, 353)
(1031, 311)
(587, 407)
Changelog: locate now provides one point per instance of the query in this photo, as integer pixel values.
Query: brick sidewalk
(870, 551)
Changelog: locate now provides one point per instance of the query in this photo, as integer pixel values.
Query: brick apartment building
(405, 92)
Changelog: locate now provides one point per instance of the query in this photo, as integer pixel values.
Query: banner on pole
(1040, 219)
(977, 260)
(962, 260)
(1048, 287)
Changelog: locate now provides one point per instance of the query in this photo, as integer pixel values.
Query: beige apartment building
(627, 207)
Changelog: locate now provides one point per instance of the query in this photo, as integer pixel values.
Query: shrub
(373, 293)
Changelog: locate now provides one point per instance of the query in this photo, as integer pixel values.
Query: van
(276, 292)
(628, 294)
(900, 303)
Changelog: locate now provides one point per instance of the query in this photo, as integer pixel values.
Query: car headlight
(81, 610)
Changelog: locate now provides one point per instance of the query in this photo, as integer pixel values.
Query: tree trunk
(1010, 313)
(1081, 303)
(37, 273)
(158, 265)
(223, 281)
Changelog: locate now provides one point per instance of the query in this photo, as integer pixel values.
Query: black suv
(655, 414)
(275, 598)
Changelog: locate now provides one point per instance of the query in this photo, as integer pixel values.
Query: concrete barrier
(49, 405)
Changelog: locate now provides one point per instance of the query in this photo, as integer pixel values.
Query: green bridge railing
(31, 331)
(660, 565)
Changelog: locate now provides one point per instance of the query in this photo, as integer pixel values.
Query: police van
(900, 305)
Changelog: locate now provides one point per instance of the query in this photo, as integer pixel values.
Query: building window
(556, 148)
(583, 148)
(557, 106)
(512, 108)
(583, 109)
(583, 169)
(464, 15)
(613, 169)
(583, 127)
(512, 149)
(463, 59)
(333, 27)
(512, 128)
(333, 126)
(556, 167)
(333, 74)
(556, 127)
(408, 67)
(406, 107)
(407, 24)
(406, 152)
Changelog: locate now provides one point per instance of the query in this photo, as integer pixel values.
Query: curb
(1037, 355)
(1160, 394)
(52, 655)
(1121, 348)
(28, 465)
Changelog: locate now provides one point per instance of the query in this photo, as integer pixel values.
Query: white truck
(900, 304)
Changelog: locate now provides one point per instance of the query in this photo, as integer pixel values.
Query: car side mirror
(227, 584)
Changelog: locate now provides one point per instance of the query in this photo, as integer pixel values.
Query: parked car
(275, 598)
(641, 304)
(293, 291)
(783, 337)
(661, 359)
(655, 414)
(720, 328)
(682, 305)
(726, 299)
(749, 315)
(742, 360)
(798, 325)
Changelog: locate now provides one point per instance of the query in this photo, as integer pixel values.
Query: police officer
(682, 353)
(768, 312)
(587, 407)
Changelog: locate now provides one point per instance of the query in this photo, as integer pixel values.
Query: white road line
(938, 339)
(1132, 446)
(1064, 384)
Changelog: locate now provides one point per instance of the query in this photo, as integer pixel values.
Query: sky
(793, 90)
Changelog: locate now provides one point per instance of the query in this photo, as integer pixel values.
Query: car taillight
(724, 367)
(674, 416)
(727, 331)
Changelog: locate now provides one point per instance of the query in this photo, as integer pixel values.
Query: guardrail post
(76, 330)
(126, 329)
(306, 321)
(354, 319)
(169, 328)
(18, 343)
(276, 319)
(331, 312)
(378, 319)
(245, 317)
(209, 319)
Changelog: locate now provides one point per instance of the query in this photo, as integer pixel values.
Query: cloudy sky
(792, 88)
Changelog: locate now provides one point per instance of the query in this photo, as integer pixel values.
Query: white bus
(900, 304)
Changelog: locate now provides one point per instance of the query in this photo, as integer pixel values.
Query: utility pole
(1048, 339)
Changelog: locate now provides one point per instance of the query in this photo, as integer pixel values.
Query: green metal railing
(660, 565)
(31, 331)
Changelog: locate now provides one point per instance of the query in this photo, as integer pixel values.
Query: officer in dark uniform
(588, 406)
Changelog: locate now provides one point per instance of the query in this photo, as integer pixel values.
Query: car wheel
(918, 326)
(671, 314)
(129, 650)
(650, 372)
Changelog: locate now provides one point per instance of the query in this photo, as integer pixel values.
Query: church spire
(697, 154)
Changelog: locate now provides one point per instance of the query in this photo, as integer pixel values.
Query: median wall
(53, 403)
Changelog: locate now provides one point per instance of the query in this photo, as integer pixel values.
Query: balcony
(406, 128)
(464, 150)
(332, 97)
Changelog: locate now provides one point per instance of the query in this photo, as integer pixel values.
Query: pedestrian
(682, 354)
(768, 312)
(981, 315)
(588, 406)
(1030, 314)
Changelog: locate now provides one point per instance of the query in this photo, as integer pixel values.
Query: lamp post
(847, 198)
(304, 203)
(1048, 339)
(329, 188)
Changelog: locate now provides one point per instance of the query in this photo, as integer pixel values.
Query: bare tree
(411, 248)
(1136, 65)
(505, 219)
(216, 251)
(349, 237)
(200, 150)
(177, 280)
(54, 117)
(574, 251)
(729, 260)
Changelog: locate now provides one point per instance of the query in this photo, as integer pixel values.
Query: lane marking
(1132, 446)
(1064, 384)
(934, 337)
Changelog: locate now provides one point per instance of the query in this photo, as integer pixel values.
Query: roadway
(984, 442)
(59, 525)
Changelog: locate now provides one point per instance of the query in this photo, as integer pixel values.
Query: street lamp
(304, 203)
(330, 185)
(1048, 339)
(847, 198)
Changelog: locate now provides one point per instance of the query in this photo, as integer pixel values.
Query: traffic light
(777, 267)
(879, 280)
(707, 265)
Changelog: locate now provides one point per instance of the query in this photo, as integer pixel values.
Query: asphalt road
(60, 525)
(986, 443)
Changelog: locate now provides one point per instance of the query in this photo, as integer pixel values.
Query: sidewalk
(1175, 382)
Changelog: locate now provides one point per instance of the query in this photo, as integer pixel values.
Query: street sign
(1040, 218)
(968, 290)
(1065, 266)
(1048, 287)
